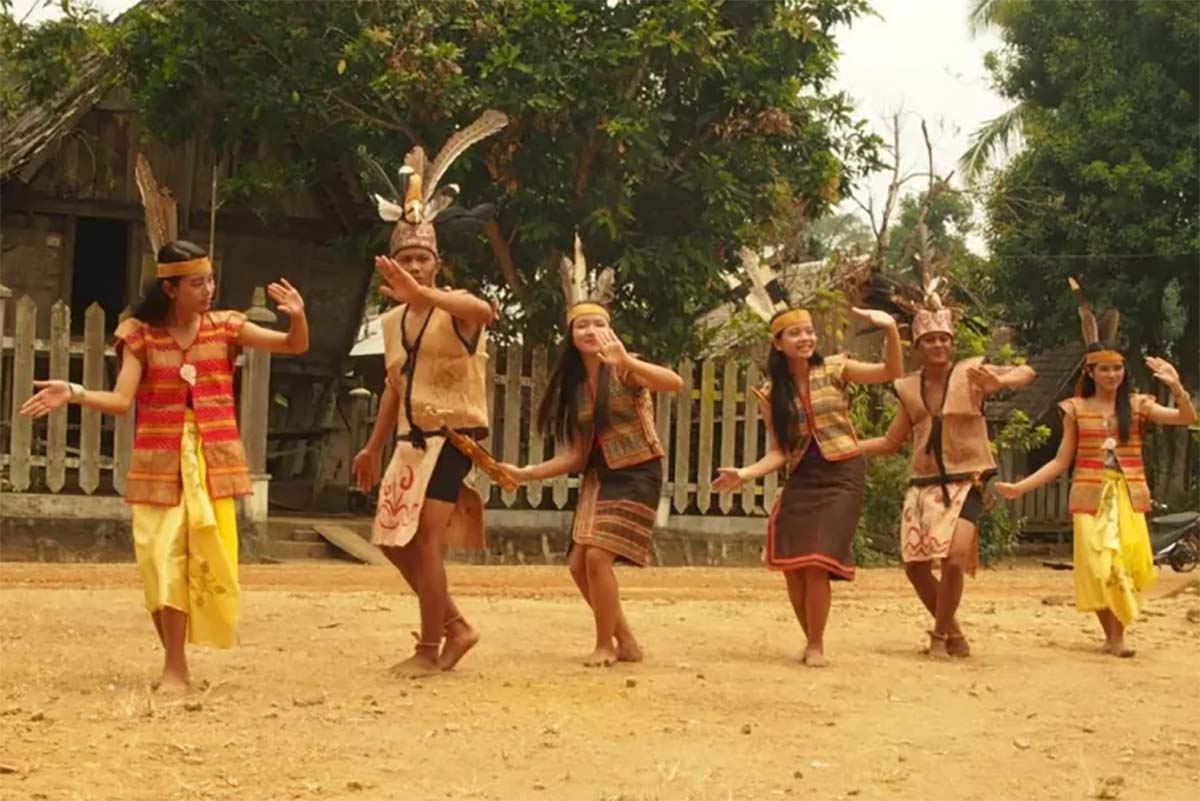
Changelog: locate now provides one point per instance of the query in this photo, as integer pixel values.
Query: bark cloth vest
(439, 376)
(953, 444)
(1091, 431)
(624, 426)
(162, 402)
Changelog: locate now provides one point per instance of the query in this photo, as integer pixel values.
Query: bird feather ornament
(575, 284)
(1087, 320)
(162, 219)
(418, 198)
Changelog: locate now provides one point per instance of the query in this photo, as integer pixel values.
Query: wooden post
(704, 462)
(729, 393)
(60, 362)
(5, 295)
(750, 437)
(21, 438)
(360, 407)
(255, 406)
(123, 427)
(511, 447)
(93, 378)
(683, 437)
(537, 445)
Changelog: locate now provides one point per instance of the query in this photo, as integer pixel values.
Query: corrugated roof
(29, 140)
(1056, 370)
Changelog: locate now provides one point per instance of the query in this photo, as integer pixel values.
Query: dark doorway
(98, 276)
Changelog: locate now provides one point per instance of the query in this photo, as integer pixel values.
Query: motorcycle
(1174, 540)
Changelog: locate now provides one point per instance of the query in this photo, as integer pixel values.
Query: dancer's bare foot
(937, 647)
(814, 657)
(463, 639)
(423, 662)
(173, 683)
(629, 651)
(1117, 648)
(957, 646)
(603, 656)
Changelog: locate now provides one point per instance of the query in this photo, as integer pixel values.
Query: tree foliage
(1106, 187)
(668, 134)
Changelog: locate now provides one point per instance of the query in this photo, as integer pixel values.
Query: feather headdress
(584, 295)
(1096, 333)
(421, 201)
(162, 222)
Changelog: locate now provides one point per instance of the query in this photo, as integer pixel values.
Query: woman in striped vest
(177, 361)
(598, 407)
(1109, 498)
(811, 528)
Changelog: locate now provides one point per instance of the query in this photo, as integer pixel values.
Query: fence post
(21, 433)
(256, 398)
(360, 406)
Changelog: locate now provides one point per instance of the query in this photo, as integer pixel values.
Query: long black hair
(1124, 407)
(155, 305)
(558, 413)
(785, 414)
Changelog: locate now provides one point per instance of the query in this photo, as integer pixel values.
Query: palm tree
(995, 135)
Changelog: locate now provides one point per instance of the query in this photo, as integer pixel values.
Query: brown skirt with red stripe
(617, 508)
(813, 522)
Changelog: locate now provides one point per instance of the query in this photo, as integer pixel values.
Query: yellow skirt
(1113, 559)
(187, 553)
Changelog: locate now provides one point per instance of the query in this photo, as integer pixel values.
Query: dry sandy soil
(305, 707)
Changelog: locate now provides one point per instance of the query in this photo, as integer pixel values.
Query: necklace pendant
(1109, 444)
(188, 373)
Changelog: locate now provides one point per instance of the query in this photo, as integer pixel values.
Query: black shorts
(448, 474)
(972, 508)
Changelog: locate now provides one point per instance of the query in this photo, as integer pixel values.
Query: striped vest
(440, 377)
(162, 397)
(626, 432)
(826, 415)
(1089, 455)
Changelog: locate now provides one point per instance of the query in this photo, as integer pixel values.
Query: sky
(916, 58)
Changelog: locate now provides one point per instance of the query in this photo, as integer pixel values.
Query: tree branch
(503, 253)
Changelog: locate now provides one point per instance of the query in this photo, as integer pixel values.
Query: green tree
(669, 134)
(1107, 184)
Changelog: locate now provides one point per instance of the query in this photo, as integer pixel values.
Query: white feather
(388, 211)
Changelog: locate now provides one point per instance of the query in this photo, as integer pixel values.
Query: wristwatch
(77, 390)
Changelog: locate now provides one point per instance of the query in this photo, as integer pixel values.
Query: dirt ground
(305, 707)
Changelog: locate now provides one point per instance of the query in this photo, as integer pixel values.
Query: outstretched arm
(892, 441)
(52, 395)
(1185, 413)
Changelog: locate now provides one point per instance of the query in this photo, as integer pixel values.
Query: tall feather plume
(488, 123)
(1107, 325)
(566, 271)
(1087, 320)
(579, 271)
(603, 293)
(162, 220)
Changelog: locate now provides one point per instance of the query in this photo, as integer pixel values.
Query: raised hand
(728, 479)
(366, 468)
(984, 378)
(612, 349)
(399, 285)
(51, 395)
(286, 297)
(876, 317)
(1163, 370)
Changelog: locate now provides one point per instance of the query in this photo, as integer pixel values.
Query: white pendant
(1110, 444)
(188, 373)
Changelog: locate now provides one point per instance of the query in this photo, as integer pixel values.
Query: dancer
(598, 406)
(1102, 437)
(811, 436)
(177, 359)
(941, 409)
(435, 352)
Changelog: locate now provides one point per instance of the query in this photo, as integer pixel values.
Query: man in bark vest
(941, 409)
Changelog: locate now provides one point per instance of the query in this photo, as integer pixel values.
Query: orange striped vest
(1089, 455)
(826, 414)
(162, 405)
(627, 435)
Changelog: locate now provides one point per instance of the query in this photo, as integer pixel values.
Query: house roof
(1056, 370)
(36, 127)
